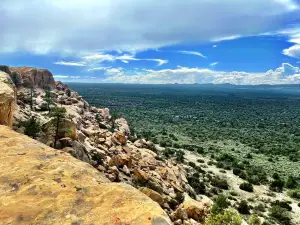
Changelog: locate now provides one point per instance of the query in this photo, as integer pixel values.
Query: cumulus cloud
(294, 37)
(131, 25)
(193, 53)
(285, 74)
(293, 51)
(214, 46)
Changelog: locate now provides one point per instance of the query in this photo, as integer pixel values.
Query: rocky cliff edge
(40, 185)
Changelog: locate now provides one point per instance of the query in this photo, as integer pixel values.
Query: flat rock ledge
(40, 185)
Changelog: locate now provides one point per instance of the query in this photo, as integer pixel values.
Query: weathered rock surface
(33, 77)
(7, 99)
(40, 185)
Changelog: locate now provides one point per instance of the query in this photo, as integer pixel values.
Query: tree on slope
(58, 114)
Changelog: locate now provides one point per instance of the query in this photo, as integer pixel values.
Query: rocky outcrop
(7, 99)
(40, 185)
(33, 77)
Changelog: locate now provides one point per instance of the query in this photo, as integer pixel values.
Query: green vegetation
(280, 215)
(16, 78)
(227, 121)
(220, 204)
(68, 92)
(246, 187)
(254, 220)
(58, 114)
(228, 217)
(32, 127)
(48, 99)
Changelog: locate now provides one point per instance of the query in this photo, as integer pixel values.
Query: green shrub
(277, 185)
(260, 207)
(254, 220)
(198, 186)
(291, 182)
(228, 217)
(220, 183)
(282, 204)
(32, 127)
(294, 194)
(68, 92)
(281, 215)
(243, 207)
(246, 187)
(220, 204)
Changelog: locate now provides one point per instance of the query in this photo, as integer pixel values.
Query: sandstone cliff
(40, 185)
(7, 99)
(33, 77)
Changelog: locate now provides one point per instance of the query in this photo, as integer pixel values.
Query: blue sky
(153, 41)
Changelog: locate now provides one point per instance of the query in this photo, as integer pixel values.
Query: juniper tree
(48, 99)
(32, 127)
(58, 114)
(15, 77)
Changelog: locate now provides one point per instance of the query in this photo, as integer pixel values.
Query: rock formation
(32, 77)
(7, 99)
(40, 185)
(97, 138)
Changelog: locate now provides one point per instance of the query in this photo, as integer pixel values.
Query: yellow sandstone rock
(40, 185)
(7, 99)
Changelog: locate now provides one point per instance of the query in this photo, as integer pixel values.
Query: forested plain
(252, 129)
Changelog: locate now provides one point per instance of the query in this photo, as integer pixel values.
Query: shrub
(294, 194)
(282, 204)
(229, 216)
(291, 183)
(16, 78)
(200, 161)
(198, 186)
(260, 207)
(236, 171)
(280, 214)
(254, 220)
(220, 204)
(220, 183)
(246, 187)
(277, 185)
(243, 207)
(32, 127)
(68, 92)
(275, 176)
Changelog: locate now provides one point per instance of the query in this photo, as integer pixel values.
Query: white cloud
(132, 25)
(294, 37)
(63, 63)
(92, 59)
(214, 46)
(114, 70)
(293, 51)
(226, 38)
(99, 68)
(65, 77)
(193, 53)
(285, 74)
(160, 62)
(214, 64)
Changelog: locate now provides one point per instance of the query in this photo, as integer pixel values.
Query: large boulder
(40, 185)
(33, 77)
(194, 209)
(7, 99)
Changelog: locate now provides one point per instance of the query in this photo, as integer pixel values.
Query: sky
(154, 41)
